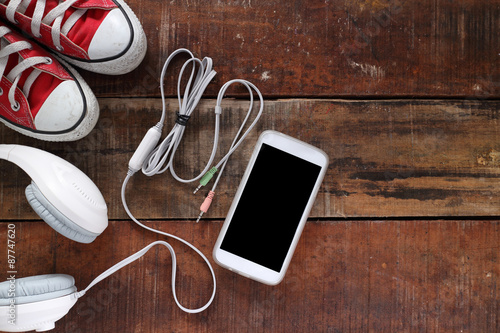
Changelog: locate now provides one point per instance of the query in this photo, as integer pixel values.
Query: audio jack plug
(206, 178)
(206, 204)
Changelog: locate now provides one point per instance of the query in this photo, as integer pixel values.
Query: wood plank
(377, 276)
(387, 158)
(333, 48)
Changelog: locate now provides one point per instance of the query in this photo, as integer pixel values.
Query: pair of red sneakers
(41, 95)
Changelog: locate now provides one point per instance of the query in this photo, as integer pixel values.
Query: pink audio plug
(206, 204)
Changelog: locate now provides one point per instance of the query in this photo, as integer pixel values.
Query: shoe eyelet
(59, 48)
(1, 91)
(15, 107)
(49, 60)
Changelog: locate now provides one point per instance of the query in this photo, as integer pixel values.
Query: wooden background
(404, 236)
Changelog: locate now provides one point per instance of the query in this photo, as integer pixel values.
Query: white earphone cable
(154, 159)
(129, 174)
(141, 253)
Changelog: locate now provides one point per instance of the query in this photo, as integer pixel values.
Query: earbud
(61, 194)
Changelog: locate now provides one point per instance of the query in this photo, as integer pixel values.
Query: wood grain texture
(336, 48)
(416, 135)
(360, 276)
(387, 158)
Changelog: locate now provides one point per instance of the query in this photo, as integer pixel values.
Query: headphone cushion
(55, 218)
(37, 288)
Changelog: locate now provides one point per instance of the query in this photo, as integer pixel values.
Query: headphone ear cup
(37, 288)
(53, 217)
(35, 302)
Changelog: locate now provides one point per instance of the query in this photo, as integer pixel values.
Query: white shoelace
(6, 49)
(53, 17)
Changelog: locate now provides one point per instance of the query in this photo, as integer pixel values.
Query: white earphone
(61, 194)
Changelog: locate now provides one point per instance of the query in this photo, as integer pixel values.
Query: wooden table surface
(404, 235)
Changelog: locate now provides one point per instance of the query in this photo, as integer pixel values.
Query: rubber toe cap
(111, 38)
(62, 110)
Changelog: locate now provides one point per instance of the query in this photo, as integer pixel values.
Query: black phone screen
(270, 207)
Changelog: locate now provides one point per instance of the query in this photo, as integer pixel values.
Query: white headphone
(65, 198)
(71, 203)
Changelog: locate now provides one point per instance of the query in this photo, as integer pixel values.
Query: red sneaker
(102, 36)
(40, 96)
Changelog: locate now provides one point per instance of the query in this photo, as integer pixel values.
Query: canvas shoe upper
(102, 36)
(40, 96)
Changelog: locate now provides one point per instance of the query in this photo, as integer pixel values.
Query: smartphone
(270, 208)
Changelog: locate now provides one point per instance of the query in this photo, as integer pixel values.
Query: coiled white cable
(156, 162)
